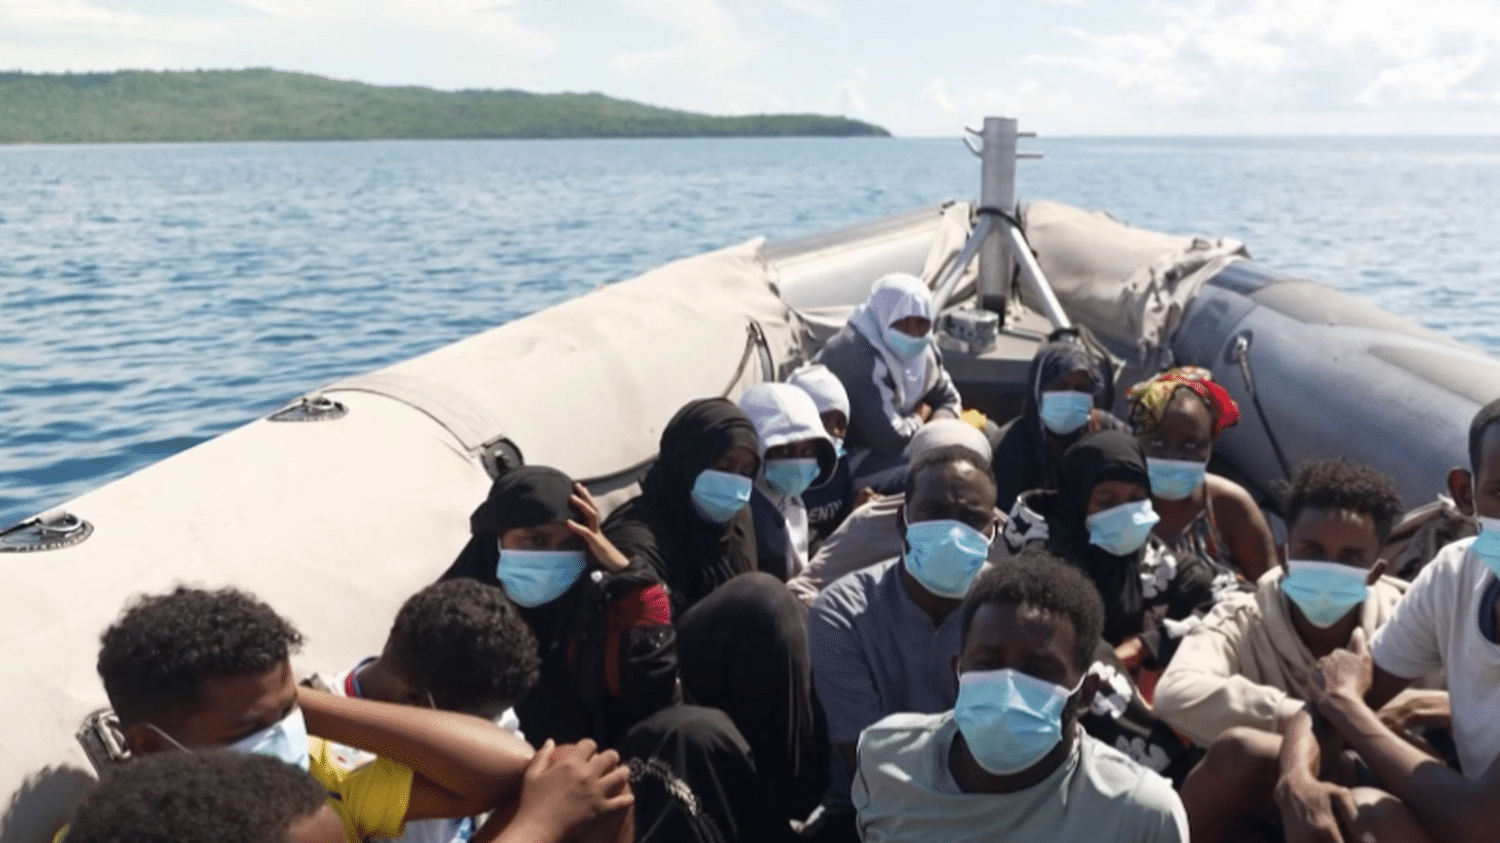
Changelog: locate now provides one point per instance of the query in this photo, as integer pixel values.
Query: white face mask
(286, 740)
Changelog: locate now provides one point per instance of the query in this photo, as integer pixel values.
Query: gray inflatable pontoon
(337, 508)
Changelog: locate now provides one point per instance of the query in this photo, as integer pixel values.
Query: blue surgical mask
(1122, 529)
(534, 577)
(720, 495)
(1009, 720)
(791, 477)
(945, 556)
(1065, 411)
(286, 740)
(905, 345)
(1175, 480)
(1487, 545)
(1324, 591)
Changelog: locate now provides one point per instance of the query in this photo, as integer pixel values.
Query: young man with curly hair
(197, 670)
(1243, 678)
(1010, 761)
(226, 797)
(456, 645)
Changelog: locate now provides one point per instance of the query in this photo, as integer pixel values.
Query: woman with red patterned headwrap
(1176, 416)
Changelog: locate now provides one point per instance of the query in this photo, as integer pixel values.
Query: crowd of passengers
(839, 611)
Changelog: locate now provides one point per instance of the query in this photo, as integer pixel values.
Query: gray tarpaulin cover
(1132, 285)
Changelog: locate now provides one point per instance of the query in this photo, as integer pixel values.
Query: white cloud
(710, 39)
(1278, 56)
(849, 98)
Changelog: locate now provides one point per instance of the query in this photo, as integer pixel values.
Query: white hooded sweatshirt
(783, 414)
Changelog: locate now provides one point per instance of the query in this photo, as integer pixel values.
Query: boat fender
(1239, 352)
(48, 532)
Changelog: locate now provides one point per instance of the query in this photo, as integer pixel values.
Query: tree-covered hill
(239, 105)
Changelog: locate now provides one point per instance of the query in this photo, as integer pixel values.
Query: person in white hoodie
(796, 454)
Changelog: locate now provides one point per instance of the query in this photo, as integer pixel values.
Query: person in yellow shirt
(195, 670)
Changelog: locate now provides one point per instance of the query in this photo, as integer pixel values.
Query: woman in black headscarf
(603, 623)
(1066, 381)
(691, 524)
(1099, 519)
(743, 649)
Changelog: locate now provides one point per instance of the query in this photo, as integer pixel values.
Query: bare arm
(463, 765)
(1450, 806)
(1310, 808)
(1244, 527)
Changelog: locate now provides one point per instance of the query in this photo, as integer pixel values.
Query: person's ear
(1461, 489)
(142, 740)
(1377, 571)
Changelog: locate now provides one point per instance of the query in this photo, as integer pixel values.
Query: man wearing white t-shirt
(1010, 761)
(1447, 621)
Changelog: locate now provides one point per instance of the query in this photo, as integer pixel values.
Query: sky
(1064, 67)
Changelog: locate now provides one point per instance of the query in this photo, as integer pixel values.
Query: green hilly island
(264, 105)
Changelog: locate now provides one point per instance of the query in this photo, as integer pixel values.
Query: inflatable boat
(337, 507)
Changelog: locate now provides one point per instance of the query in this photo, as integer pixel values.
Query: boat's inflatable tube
(1336, 376)
(334, 523)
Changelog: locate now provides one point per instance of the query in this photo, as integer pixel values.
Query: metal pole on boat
(997, 198)
(997, 237)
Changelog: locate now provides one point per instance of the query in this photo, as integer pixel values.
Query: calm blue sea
(154, 296)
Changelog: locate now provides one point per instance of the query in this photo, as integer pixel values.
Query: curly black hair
(1341, 483)
(1487, 417)
(1037, 578)
(153, 660)
(223, 796)
(464, 642)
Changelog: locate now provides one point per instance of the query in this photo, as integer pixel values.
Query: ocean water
(153, 296)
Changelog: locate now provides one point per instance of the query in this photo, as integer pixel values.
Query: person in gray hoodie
(894, 375)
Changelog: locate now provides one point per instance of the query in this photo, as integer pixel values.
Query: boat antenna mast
(1004, 255)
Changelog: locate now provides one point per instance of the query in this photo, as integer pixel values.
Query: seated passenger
(1099, 521)
(691, 525)
(458, 646)
(1448, 622)
(1251, 661)
(872, 533)
(225, 797)
(885, 358)
(796, 454)
(603, 623)
(828, 504)
(231, 797)
(1066, 381)
(883, 638)
(1176, 417)
(1009, 761)
(193, 670)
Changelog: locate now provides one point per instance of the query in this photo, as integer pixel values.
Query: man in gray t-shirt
(1010, 761)
(883, 638)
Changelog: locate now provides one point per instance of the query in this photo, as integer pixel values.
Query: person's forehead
(232, 698)
(948, 480)
(998, 624)
(1321, 518)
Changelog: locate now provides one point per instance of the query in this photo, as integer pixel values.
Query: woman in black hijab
(1066, 381)
(603, 623)
(743, 649)
(691, 524)
(1099, 520)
